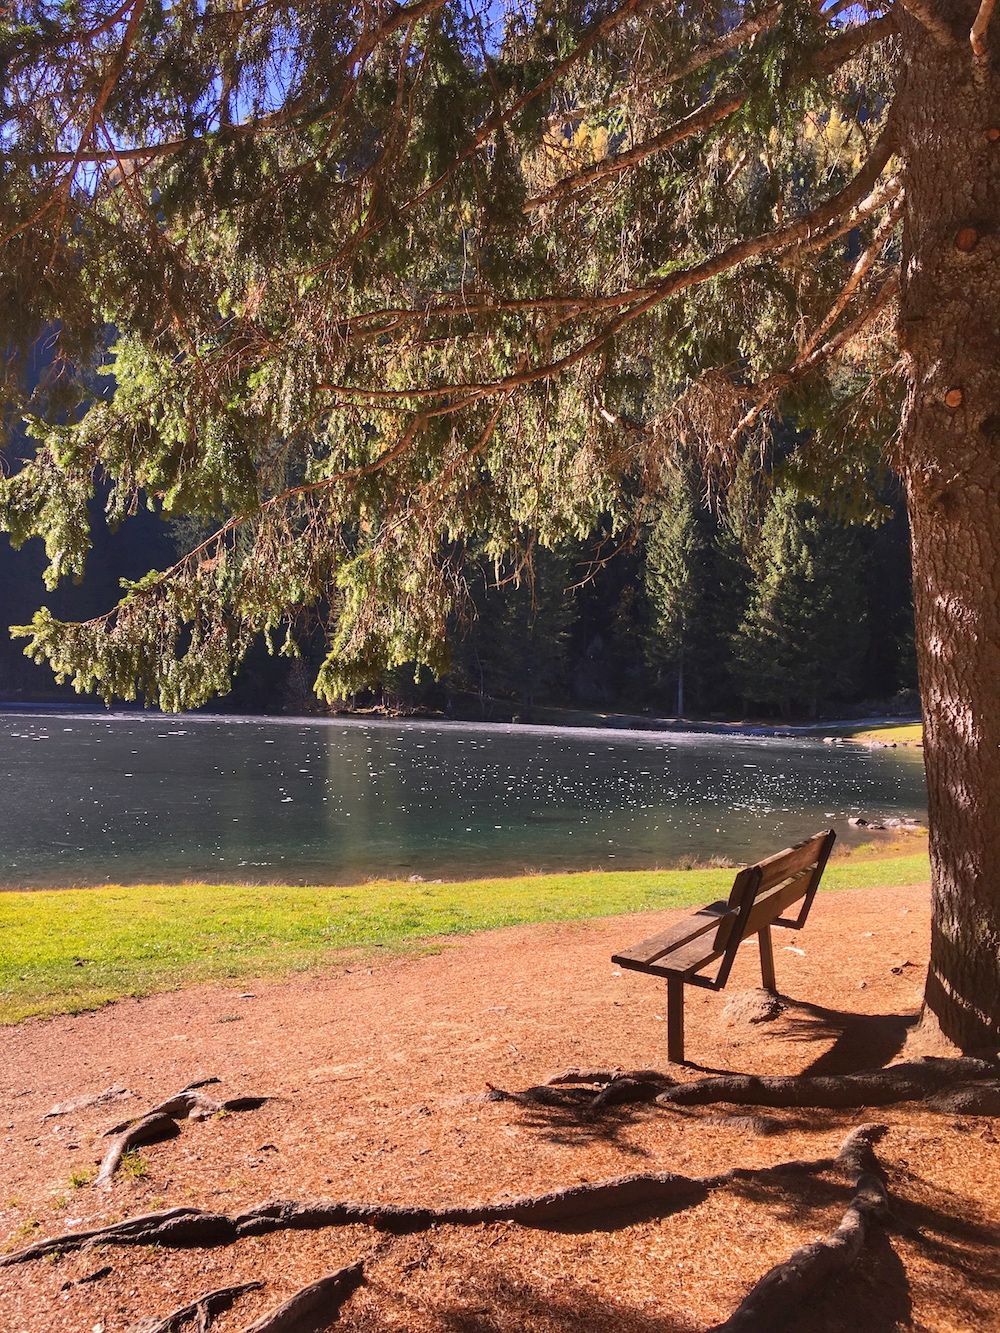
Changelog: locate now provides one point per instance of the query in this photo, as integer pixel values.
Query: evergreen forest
(766, 603)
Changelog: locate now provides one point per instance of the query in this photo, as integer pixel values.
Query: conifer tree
(517, 645)
(677, 556)
(384, 275)
(803, 637)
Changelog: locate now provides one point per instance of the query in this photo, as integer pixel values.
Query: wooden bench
(759, 896)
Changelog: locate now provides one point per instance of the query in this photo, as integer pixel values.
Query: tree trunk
(680, 683)
(949, 118)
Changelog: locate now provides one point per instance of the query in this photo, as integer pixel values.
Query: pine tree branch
(495, 122)
(977, 35)
(744, 32)
(206, 552)
(884, 193)
(402, 17)
(470, 303)
(834, 11)
(59, 198)
(817, 353)
(653, 294)
(850, 41)
(707, 116)
(504, 115)
(110, 81)
(926, 14)
(829, 58)
(738, 36)
(85, 38)
(858, 274)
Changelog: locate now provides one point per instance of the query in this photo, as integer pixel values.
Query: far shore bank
(864, 729)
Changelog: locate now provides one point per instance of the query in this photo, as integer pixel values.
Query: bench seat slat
(683, 961)
(648, 951)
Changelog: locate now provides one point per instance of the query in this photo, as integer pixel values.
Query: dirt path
(379, 1071)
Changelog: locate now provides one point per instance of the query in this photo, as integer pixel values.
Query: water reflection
(92, 799)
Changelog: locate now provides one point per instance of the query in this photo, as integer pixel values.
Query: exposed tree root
(161, 1122)
(772, 1302)
(314, 1306)
(961, 1085)
(173, 1226)
(204, 1309)
(595, 1204)
(776, 1298)
(591, 1089)
(153, 1128)
(193, 1104)
(577, 1204)
(623, 1088)
(602, 1205)
(112, 1094)
(969, 1099)
(921, 1080)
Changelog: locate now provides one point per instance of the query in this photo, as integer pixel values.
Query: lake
(107, 798)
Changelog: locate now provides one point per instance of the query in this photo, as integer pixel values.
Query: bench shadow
(859, 1041)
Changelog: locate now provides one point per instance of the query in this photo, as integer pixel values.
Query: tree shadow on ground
(877, 1295)
(943, 1236)
(936, 1224)
(577, 1126)
(482, 1299)
(877, 1299)
(481, 1295)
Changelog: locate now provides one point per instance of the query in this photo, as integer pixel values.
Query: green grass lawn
(62, 951)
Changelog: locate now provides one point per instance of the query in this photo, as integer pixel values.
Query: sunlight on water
(124, 798)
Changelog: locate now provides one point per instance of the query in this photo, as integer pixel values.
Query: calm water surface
(90, 799)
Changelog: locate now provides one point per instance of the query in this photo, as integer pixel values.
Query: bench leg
(767, 960)
(675, 1020)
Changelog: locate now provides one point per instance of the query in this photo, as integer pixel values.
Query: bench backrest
(762, 892)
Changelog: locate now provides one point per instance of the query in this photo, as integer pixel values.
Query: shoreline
(897, 836)
(72, 950)
(544, 719)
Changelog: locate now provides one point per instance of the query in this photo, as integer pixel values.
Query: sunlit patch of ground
(64, 951)
(907, 733)
(379, 1069)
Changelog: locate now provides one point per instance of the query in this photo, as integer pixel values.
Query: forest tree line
(766, 603)
(769, 604)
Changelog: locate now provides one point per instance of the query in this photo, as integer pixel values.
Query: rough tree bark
(948, 123)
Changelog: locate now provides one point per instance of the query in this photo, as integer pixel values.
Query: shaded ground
(380, 1073)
